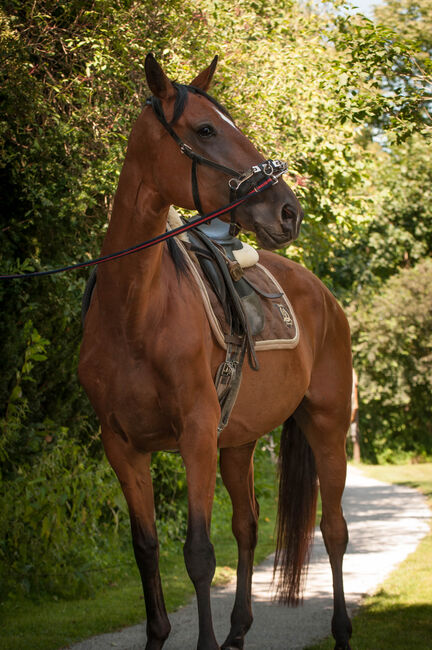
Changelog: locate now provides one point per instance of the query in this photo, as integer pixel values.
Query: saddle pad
(280, 330)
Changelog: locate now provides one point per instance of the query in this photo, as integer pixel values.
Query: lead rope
(147, 244)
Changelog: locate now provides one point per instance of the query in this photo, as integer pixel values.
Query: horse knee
(200, 559)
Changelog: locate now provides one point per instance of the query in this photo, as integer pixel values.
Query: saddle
(245, 305)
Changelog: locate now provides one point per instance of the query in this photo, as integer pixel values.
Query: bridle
(239, 184)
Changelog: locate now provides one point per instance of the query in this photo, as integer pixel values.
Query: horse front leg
(236, 466)
(200, 458)
(133, 471)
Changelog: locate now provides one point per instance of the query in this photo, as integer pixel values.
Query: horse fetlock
(158, 629)
(235, 643)
(342, 633)
(207, 644)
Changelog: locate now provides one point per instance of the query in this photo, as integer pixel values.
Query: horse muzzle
(278, 228)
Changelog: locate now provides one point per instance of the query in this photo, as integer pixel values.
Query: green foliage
(401, 234)
(387, 68)
(392, 346)
(15, 440)
(169, 479)
(59, 518)
(412, 20)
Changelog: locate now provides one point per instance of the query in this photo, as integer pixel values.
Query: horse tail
(298, 490)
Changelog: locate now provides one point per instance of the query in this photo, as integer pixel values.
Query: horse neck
(138, 215)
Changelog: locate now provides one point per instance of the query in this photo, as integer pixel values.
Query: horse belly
(268, 397)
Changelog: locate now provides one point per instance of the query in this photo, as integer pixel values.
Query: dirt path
(385, 522)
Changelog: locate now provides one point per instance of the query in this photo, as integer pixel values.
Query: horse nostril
(288, 214)
(291, 218)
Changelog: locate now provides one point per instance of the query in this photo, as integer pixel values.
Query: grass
(51, 624)
(399, 615)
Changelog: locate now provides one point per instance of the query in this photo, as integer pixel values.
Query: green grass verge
(399, 615)
(51, 624)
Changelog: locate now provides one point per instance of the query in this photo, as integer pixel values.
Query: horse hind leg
(236, 466)
(135, 479)
(326, 433)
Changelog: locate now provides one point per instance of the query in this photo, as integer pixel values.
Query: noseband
(240, 183)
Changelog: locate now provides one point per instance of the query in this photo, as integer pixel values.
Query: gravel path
(385, 523)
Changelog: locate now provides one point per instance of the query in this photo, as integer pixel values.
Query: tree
(392, 345)
(396, 59)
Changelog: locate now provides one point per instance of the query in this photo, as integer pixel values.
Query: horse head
(197, 157)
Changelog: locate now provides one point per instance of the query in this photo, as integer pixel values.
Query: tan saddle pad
(280, 329)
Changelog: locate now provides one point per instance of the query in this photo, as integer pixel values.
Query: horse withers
(149, 359)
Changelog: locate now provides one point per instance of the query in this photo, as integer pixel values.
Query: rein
(147, 244)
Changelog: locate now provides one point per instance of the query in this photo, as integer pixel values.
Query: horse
(148, 361)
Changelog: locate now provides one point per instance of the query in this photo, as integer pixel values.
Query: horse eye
(206, 131)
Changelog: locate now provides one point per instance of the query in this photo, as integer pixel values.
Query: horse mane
(178, 258)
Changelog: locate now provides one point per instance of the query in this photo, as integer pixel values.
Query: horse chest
(146, 393)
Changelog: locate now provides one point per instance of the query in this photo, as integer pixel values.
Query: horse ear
(203, 80)
(157, 80)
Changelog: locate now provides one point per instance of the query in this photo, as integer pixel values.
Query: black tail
(298, 489)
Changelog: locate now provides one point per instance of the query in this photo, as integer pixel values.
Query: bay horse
(148, 361)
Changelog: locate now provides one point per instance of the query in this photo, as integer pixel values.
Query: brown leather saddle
(241, 300)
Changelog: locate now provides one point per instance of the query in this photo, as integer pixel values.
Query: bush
(392, 345)
(61, 518)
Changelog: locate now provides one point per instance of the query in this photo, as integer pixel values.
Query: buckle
(268, 169)
(279, 167)
(187, 150)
